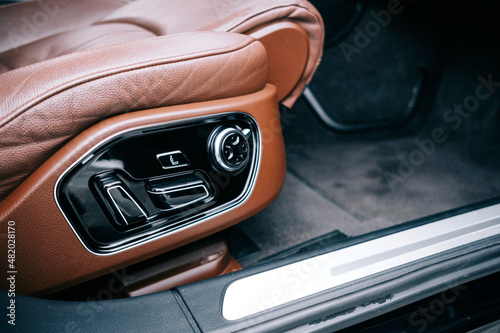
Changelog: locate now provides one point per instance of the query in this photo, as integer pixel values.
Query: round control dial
(230, 148)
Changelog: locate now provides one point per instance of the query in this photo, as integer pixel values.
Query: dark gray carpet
(360, 173)
(346, 182)
(299, 214)
(373, 81)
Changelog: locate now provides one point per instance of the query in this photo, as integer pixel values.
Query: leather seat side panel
(52, 258)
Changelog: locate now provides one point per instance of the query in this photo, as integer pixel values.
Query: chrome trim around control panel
(254, 171)
(269, 289)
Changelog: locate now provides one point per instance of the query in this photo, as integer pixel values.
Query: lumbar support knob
(229, 148)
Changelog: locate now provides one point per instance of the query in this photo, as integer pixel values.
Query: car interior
(263, 166)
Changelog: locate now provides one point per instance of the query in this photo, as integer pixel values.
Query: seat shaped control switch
(173, 159)
(121, 202)
(128, 209)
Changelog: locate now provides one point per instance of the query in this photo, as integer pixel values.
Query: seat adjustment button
(172, 159)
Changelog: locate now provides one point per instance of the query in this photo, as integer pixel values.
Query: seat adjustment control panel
(152, 181)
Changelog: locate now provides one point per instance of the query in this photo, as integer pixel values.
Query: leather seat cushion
(87, 38)
(25, 22)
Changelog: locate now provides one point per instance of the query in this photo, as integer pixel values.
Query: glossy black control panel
(149, 182)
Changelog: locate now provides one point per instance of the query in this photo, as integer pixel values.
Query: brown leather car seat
(66, 65)
(75, 74)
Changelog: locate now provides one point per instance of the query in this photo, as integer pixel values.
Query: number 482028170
(11, 244)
